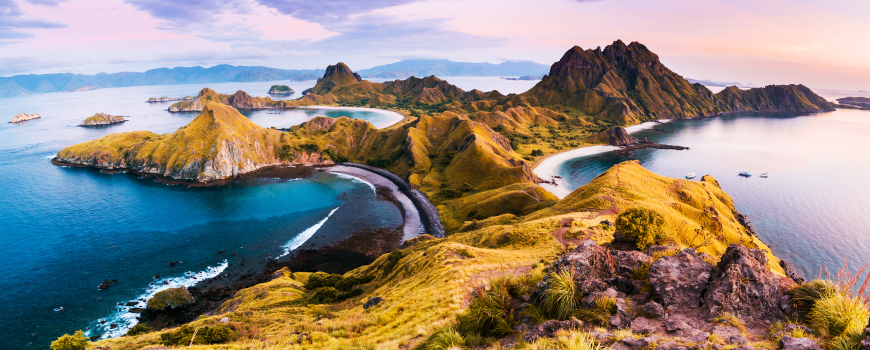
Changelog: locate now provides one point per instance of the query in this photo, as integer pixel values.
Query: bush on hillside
(332, 288)
(76, 341)
(138, 329)
(217, 334)
(491, 312)
(643, 226)
(537, 153)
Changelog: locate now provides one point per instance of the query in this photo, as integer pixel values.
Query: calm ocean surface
(65, 230)
(813, 210)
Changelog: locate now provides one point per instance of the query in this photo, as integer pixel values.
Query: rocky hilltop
(101, 119)
(169, 99)
(20, 117)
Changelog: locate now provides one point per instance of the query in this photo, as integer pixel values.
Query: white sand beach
(395, 117)
(413, 224)
(547, 168)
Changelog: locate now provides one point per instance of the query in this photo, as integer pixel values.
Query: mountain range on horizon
(21, 85)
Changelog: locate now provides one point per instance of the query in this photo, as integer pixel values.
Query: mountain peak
(339, 69)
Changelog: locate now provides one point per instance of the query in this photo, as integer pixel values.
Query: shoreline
(413, 224)
(546, 167)
(395, 117)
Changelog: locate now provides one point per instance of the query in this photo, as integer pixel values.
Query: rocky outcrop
(548, 329)
(679, 281)
(100, 119)
(169, 99)
(616, 136)
(685, 292)
(744, 286)
(20, 117)
(792, 343)
(170, 298)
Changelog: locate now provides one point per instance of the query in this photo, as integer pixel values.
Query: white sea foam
(297, 241)
(126, 320)
(356, 179)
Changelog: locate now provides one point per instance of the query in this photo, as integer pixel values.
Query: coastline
(546, 167)
(395, 117)
(413, 225)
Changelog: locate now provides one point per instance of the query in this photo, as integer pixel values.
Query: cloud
(12, 19)
(330, 10)
(45, 2)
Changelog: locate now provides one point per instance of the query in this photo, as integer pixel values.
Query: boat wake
(123, 319)
(297, 241)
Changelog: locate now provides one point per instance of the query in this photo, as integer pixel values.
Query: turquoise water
(65, 230)
(813, 210)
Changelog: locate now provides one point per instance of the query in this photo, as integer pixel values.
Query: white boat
(745, 174)
(690, 175)
(764, 175)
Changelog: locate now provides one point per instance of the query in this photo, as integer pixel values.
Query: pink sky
(822, 45)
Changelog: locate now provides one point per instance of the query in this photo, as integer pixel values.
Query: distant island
(83, 88)
(281, 90)
(101, 119)
(169, 99)
(21, 85)
(425, 68)
(527, 77)
(20, 117)
(862, 102)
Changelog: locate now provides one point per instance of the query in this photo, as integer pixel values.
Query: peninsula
(20, 117)
(169, 99)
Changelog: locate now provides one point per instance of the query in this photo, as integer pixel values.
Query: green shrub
(332, 288)
(445, 339)
(537, 153)
(600, 313)
(490, 313)
(561, 297)
(328, 295)
(643, 226)
(837, 314)
(139, 328)
(216, 334)
(467, 188)
(76, 341)
(393, 259)
(310, 147)
(451, 193)
(805, 295)
(335, 156)
(170, 298)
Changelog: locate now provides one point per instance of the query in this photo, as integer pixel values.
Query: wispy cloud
(330, 10)
(12, 19)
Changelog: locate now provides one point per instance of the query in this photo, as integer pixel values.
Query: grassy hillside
(427, 285)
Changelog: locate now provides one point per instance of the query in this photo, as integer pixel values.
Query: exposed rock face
(617, 136)
(679, 281)
(20, 117)
(102, 119)
(591, 264)
(171, 298)
(744, 286)
(372, 302)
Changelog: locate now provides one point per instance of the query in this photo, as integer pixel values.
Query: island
(101, 119)
(21, 117)
(169, 99)
(280, 90)
(860, 102)
(527, 77)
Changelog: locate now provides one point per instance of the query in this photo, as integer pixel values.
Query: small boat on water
(690, 175)
(764, 175)
(745, 174)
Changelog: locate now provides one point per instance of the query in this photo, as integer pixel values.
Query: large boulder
(792, 343)
(679, 281)
(744, 286)
(617, 136)
(591, 264)
(171, 298)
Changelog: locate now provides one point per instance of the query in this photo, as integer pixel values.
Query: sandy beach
(413, 226)
(395, 117)
(546, 168)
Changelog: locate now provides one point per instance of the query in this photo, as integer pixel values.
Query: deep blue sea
(65, 230)
(812, 210)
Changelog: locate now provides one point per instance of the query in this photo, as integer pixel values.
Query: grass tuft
(561, 297)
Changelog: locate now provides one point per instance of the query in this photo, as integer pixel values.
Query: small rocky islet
(280, 90)
(102, 119)
(21, 117)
